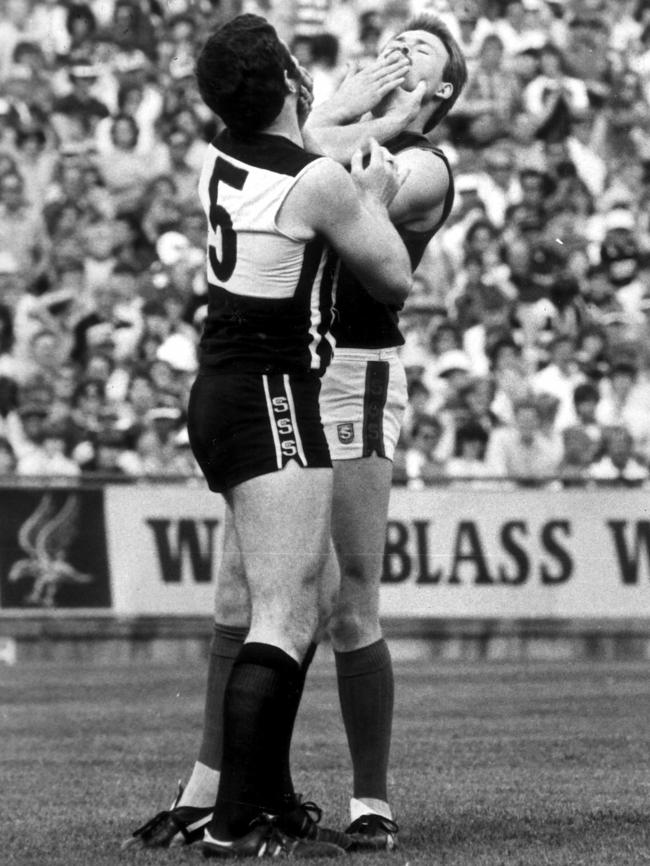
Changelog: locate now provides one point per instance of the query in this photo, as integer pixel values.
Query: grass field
(492, 764)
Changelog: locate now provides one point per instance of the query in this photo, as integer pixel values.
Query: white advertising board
(164, 546)
(519, 553)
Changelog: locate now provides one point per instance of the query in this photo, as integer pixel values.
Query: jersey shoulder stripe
(268, 152)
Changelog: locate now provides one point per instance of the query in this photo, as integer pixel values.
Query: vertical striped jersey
(361, 322)
(269, 294)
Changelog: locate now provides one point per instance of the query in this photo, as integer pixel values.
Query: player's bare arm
(420, 199)
(351, 211)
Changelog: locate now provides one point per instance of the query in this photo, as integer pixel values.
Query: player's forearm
(340, 142)
(331, 112)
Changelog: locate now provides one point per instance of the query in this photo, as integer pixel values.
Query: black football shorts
(242, 425)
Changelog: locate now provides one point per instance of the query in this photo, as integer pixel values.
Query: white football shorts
(362, 401)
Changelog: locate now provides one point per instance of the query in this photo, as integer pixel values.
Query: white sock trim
(208, 837)
(369, 806)
(202, 786)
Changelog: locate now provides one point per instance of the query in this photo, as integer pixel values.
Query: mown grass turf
(492, 764)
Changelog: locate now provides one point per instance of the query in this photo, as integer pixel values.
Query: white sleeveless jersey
(269, 294)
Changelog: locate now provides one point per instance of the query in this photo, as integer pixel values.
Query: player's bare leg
(282, 521)
(365, 675)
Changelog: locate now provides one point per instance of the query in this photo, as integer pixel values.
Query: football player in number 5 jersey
(273, 212)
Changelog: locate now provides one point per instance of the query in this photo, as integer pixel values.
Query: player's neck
(286, 124)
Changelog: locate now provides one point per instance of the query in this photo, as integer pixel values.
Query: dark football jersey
(361, 322)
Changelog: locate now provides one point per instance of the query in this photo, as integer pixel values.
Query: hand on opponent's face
(363, 89)
(305, 93)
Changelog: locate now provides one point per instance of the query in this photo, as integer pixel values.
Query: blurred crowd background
(527, 347)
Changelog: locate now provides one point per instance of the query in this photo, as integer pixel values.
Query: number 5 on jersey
(221, 221)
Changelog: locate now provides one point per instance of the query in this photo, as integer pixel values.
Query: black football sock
(263, 683)
(227, 641)
(292, 712)
(366, 693)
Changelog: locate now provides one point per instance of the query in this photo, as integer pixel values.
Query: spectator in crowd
(9, 366)
(491, 94)
(48, 456)
(481, 339)
(14, 27)
(554, 99)
(105, 453)
(422, 464)
(178, 167)
(81, 25)
(619, 404)
(511, 383)
(469, 452)
(579, 451)
(521, 450)
(591, 352)
(586, 398)
(107, 325)
(548, 406)
(11, 427)
(618, 464)
(515, 30)
(29, 436)
(476, 404)
(8, 460)
(125, 170)
(80, 108)
(560, 378)
(537, 278)
(22, 232)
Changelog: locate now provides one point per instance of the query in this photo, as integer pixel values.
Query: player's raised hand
(380, 177)
(364, 88)
(405, 104)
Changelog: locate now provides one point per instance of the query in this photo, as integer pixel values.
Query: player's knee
(350, 627)
(326, 606)
(310, 581)
(358, 571)
(231, 610)
(232, 603)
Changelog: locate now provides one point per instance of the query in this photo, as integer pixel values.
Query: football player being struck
(362, 404)
(409, 89)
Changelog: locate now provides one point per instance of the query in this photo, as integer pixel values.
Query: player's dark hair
(240, 73)
(455, 71)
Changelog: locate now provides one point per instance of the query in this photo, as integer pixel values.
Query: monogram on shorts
(282, 415)
(345, 432)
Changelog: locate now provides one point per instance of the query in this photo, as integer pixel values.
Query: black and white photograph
(325, 432)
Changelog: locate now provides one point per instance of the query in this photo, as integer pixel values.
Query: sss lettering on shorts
(374, 403)
(283, 421)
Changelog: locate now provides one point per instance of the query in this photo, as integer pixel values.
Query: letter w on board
(179, 541)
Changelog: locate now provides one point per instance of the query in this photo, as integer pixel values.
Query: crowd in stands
(527, 349)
